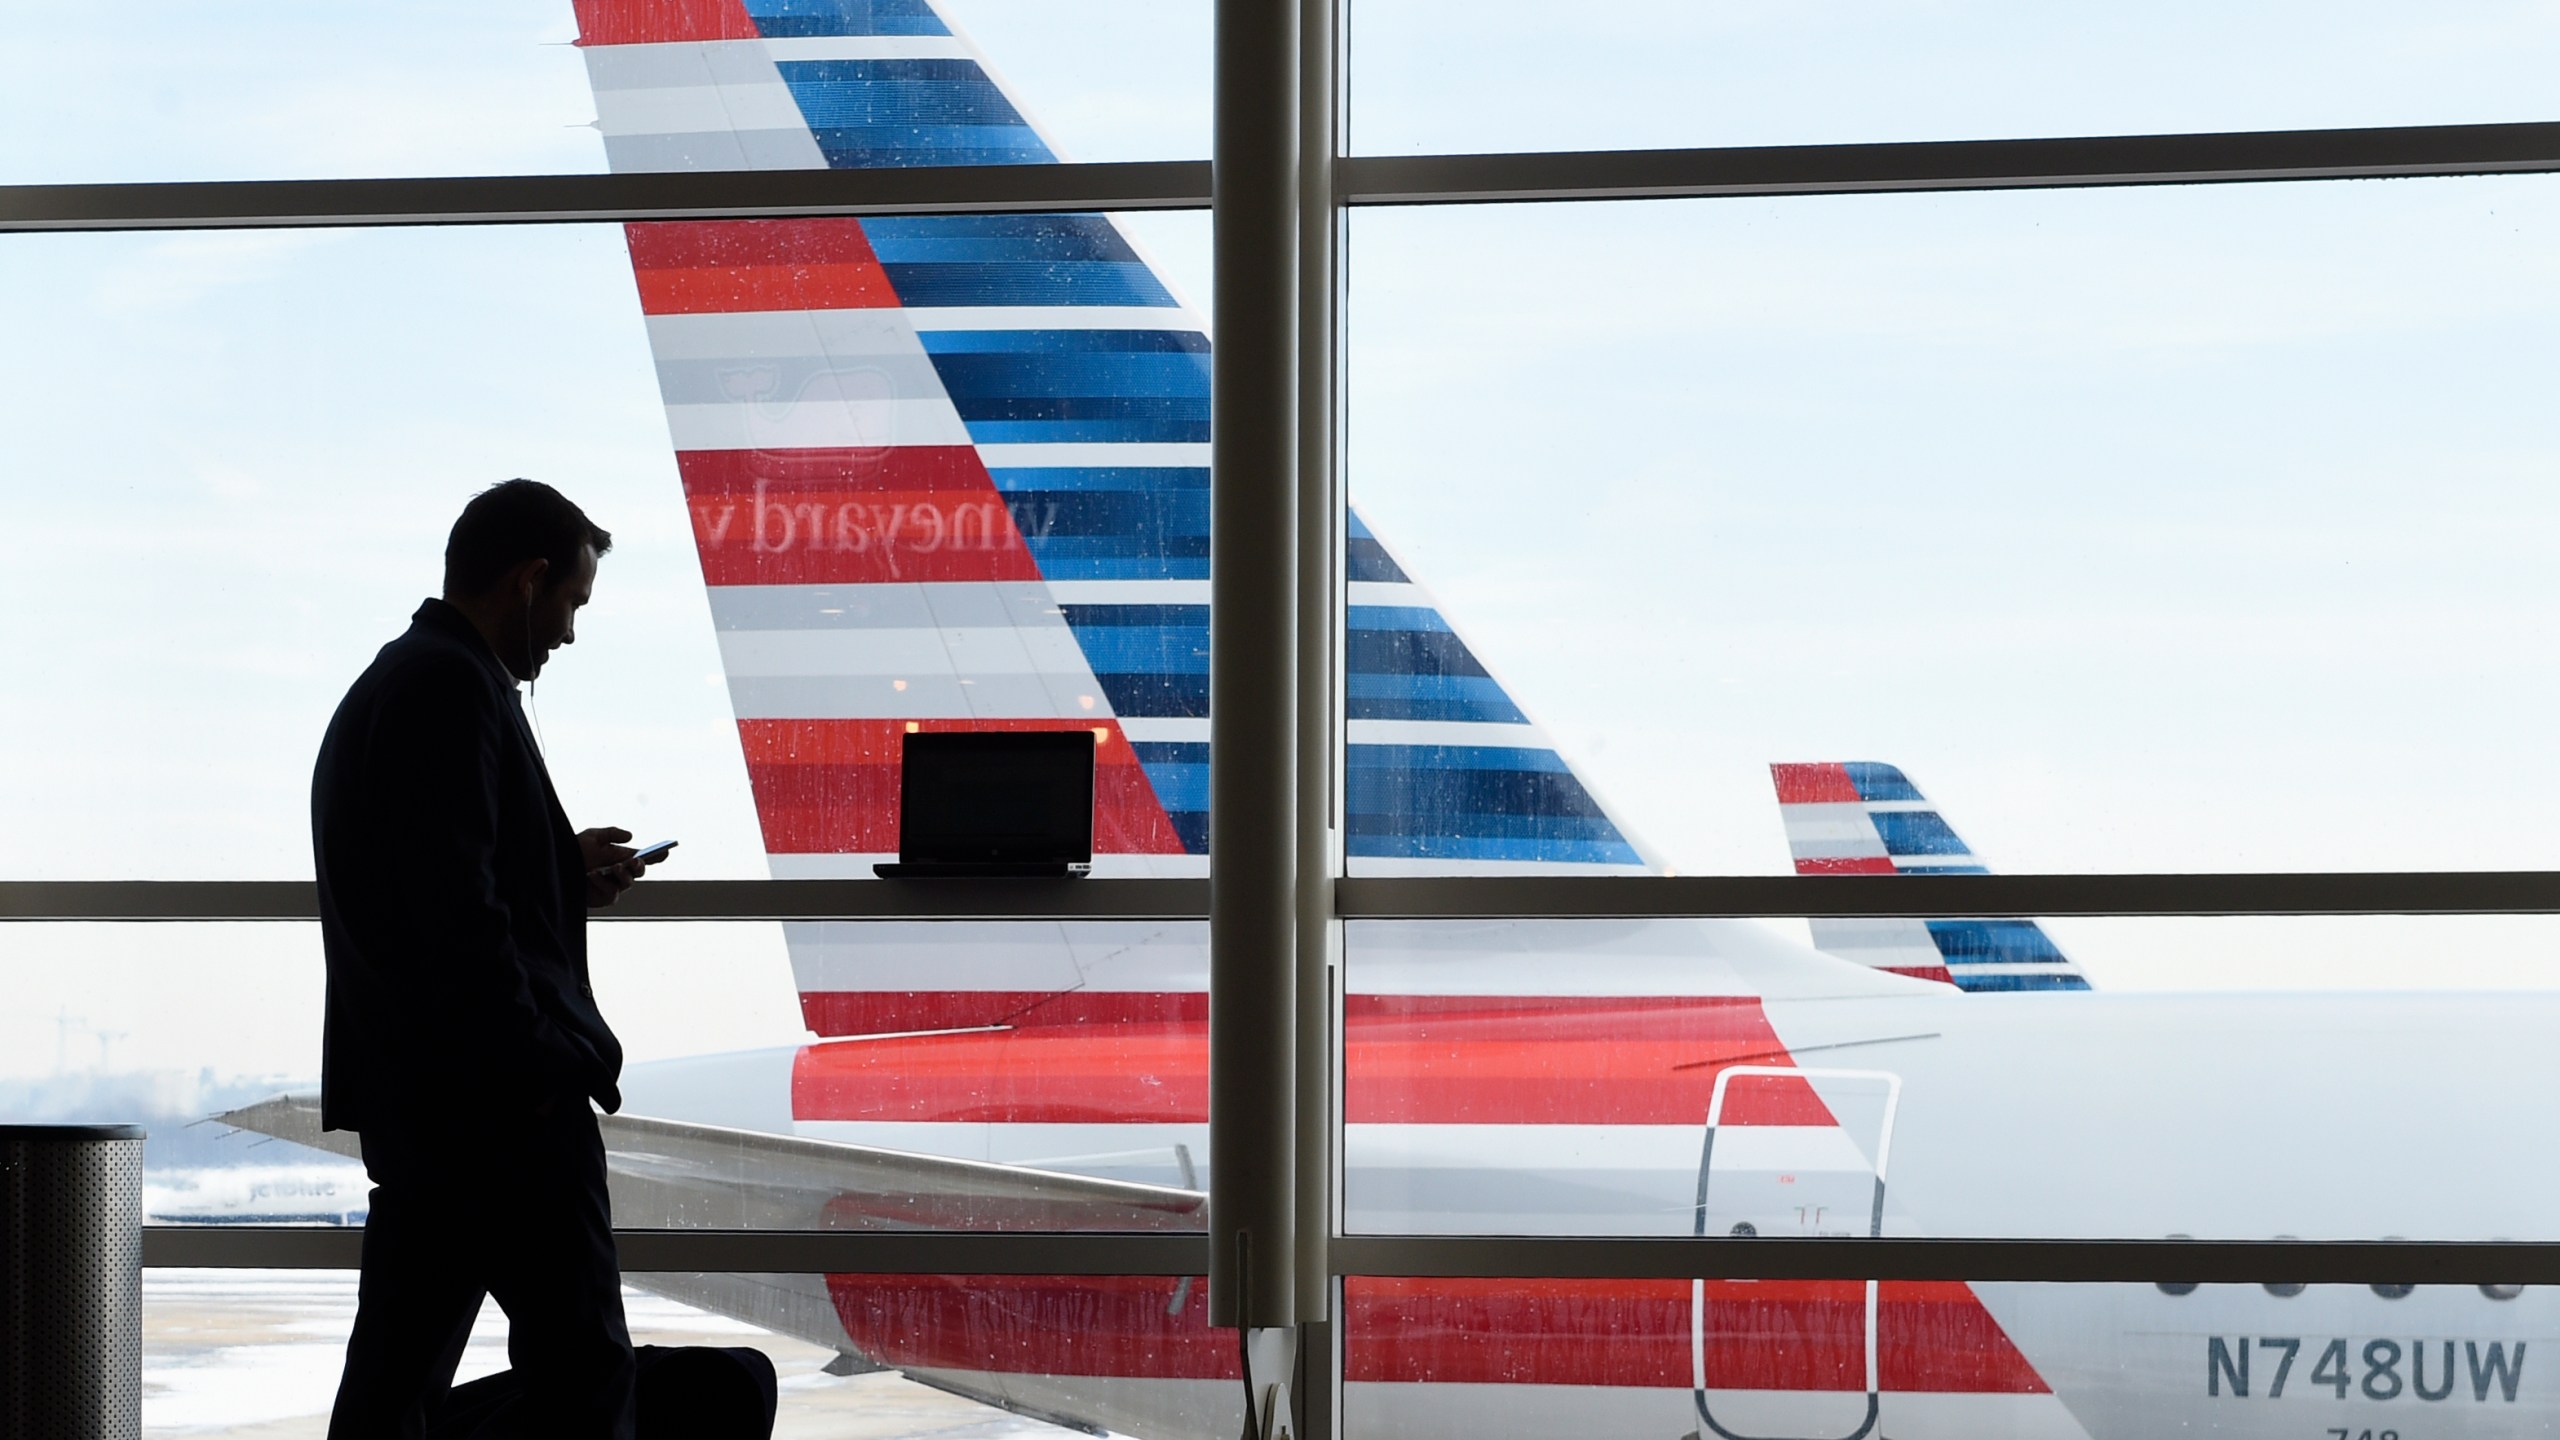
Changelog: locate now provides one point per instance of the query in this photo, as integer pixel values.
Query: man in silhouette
(463, 1042)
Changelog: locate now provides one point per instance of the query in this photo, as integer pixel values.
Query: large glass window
(263, 438)
(2176, 530)
(2186, 529)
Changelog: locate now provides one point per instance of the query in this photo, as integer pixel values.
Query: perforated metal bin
(70, 1282)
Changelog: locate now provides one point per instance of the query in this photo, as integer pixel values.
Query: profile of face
(551, 603)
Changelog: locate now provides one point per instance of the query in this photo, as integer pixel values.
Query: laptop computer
(987, 803)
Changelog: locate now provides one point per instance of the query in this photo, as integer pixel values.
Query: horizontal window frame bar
(778, 1252)
(2226, 157)
(595, 199)
(661, 900)
(877, 1252)
(1989, 1261)
(1439, 897)
(1932, 897)
(1359, 180)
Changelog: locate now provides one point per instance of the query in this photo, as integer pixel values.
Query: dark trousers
(515, 1209)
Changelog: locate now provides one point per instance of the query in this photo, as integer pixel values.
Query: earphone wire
(541, 746)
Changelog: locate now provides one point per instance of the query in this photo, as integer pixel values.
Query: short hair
(509, 523)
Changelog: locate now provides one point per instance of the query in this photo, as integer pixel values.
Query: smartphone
(652, 854)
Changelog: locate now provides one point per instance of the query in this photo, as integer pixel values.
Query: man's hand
(610, 868)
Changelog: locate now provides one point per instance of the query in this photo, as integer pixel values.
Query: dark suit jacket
(452, 898)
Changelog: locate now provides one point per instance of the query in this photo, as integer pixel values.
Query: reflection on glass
(943, 473)
(1724, 1078)
(1846, 1359)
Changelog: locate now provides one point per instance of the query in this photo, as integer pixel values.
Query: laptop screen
(1004, 796)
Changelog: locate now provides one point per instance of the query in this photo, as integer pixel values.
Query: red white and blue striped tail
(951, 472)
(1863, 818)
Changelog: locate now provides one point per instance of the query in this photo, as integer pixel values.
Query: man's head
(520, 562)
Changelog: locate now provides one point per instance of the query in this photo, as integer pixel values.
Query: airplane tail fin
(951, 472)
(1863, 818)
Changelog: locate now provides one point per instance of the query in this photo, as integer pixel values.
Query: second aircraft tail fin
(1863, 818)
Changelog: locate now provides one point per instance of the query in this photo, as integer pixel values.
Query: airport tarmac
(254, 1354)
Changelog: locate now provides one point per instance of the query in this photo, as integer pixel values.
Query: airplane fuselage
(1473, 1107)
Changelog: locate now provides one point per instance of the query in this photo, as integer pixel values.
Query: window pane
(2176, 530)
(256, 1352)
(1446, 76)
(944, 473)
(321, 406)
(167, 1025)
(172, 91)
(963, 1076)
(225, 559)
(1665, 1357)
(2230, 1079)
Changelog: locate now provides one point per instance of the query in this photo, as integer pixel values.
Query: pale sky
(2148, 530)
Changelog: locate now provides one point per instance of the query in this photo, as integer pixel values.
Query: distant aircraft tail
(1864, 818)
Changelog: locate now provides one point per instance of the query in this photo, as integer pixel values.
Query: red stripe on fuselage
(650, 22)
(1546, 1060)
(896, 514)
(1760, 1335)
(883, 1012)
(696, 267)
(1931, 1337)
(1093, 1074)
(1110, 1325)
(830, 787)
(1428, 1060)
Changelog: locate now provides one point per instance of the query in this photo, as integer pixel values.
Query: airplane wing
(672, 1174)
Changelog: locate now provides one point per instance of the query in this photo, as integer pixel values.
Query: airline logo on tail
(952, 472)
(1863, 818)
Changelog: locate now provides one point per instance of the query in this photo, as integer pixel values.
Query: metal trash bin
(70, 1282)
